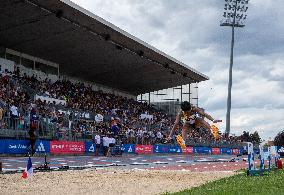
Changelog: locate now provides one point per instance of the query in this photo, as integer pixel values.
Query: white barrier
(262, 156)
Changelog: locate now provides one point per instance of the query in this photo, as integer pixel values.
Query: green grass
(270, 183)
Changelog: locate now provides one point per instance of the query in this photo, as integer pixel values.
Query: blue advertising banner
(128, 148)
(226, 151)
(202, 150)
(161, 149)
(2, 145)
(167, 149)
(90, 147)
(197, 150)
(207, 150)
(42, 146)
(175, 149)
(16, 146)
(241, 151)
(10, 146)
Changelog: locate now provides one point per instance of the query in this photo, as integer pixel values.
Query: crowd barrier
(12, 146)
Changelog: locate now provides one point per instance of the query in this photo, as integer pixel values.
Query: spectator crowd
(87, 113)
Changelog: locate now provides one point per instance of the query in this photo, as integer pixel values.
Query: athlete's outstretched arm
(201, 112)
(175, 125)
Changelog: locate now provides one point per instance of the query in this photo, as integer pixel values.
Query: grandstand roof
(88, 47)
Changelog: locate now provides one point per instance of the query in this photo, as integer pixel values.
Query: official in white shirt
(111, 142)
(98, 144)
(106, 145)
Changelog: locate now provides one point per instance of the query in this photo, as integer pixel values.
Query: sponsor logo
(40, 148)
(67, 147)
(92, 148)
(19, 146)
(139, 148)
(130, 149)
(280, 150)
(157, 149)
(54, 146)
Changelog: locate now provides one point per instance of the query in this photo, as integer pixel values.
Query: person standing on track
(192, 118)
(98, 143)
(106, 145)
(33, 128)
(112, 145)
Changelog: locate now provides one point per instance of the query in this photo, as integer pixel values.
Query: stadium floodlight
(234, 16)
(235, 13)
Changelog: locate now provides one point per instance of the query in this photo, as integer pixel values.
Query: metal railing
(13, 128)
(19, 127)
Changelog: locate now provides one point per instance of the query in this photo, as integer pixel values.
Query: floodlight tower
(234, 16)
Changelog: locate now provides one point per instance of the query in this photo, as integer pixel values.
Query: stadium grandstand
(75, 75)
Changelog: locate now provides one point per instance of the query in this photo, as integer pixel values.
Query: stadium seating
(67, 111)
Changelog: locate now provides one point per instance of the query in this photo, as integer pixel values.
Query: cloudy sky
(189, 31)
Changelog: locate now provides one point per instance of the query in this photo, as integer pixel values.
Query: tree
(255, 138)
(245, 137)
(279, 139)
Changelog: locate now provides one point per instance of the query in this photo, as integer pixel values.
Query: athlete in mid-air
(192, 118)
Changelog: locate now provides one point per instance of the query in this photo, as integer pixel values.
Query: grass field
(271, 183)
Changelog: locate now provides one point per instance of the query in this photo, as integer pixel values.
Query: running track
(196, 163)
